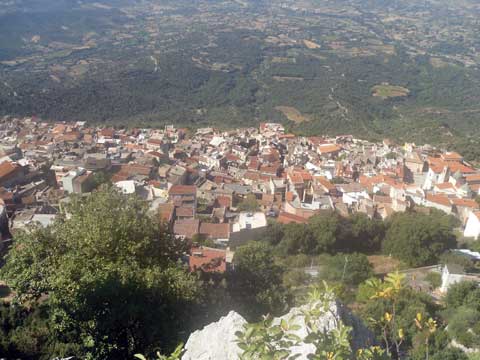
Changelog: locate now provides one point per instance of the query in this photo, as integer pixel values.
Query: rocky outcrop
(217, 341)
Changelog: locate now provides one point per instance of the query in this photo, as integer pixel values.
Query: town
(221, 189)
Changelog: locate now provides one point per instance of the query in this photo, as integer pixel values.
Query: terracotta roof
(135, 169)
(165, 212)
(223, 201)
(183, 190)
(186, 227)
(457, 166)
(185, 211)
(289, 196)
(323, 181)
(155, 142)
(470, 203)
(451, 156)
(472, 177)
(207, 259)
(8, 168)
(444, 186)
(286, 218)
(328, 148)
(439, 199)
(215, 231)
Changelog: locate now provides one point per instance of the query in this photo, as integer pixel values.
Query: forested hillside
(372, 68)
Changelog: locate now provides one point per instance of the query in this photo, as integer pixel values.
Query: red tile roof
(470, 203)
(286, 218)
(183, 190)
(7, 169)
(208, 260)
(439, 199)
(215, 231)
(187, 227)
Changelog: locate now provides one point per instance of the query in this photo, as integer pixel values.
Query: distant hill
(402, 69)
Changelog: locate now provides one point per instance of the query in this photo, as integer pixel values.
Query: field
(311, 45)
(386, 91)
(312, 64)
(292, 114)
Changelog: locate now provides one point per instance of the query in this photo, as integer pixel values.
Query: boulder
(217, 341)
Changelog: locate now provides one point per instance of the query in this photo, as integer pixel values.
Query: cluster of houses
(221, 187)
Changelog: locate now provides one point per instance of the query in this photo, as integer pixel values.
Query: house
(249, 226)
(183, 195)
(166, 213)
(207, 259)
(218, 232)
(10, 174)
(78, 181)
(463, 207)
(186, 228)
(472, 228)
(287, 218)
(352, 193)
(440, 202)
(452, 274)
(329, 150)
(415, 163)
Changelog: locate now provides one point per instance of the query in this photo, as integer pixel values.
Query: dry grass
(386, 91)
(311, 45)
(384, 264)
(292, 114)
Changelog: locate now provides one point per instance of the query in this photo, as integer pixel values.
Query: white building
(472, 229)
(247, 221)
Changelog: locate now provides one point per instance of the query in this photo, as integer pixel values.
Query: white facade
(248, 220)
(472, 229)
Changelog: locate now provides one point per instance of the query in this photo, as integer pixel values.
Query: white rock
(217, 341)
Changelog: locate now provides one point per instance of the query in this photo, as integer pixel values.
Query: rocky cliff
(217, 341)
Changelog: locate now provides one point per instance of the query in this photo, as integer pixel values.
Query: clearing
(386, 91)
(311, 45)
(292, 114)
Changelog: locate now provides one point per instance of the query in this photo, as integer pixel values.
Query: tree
(349, 269)
(361, 233)
(464, 326)
(463, 293)
(325, 229)
(274, 233)
(256, 282)
(297, 239)
(449, 354)
(418, 239)
(249, 203)
(391, 310)
(109, 273)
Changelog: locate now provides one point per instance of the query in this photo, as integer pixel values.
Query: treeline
(415, 238)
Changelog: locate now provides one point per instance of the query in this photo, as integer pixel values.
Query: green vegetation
(98, 273)
(101, 63)
(418, 239)
(462, 313)
(256, 283)
(348, 269)
(86, 286)
(249, 203)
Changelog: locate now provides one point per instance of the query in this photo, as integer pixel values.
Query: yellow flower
(387, 317)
